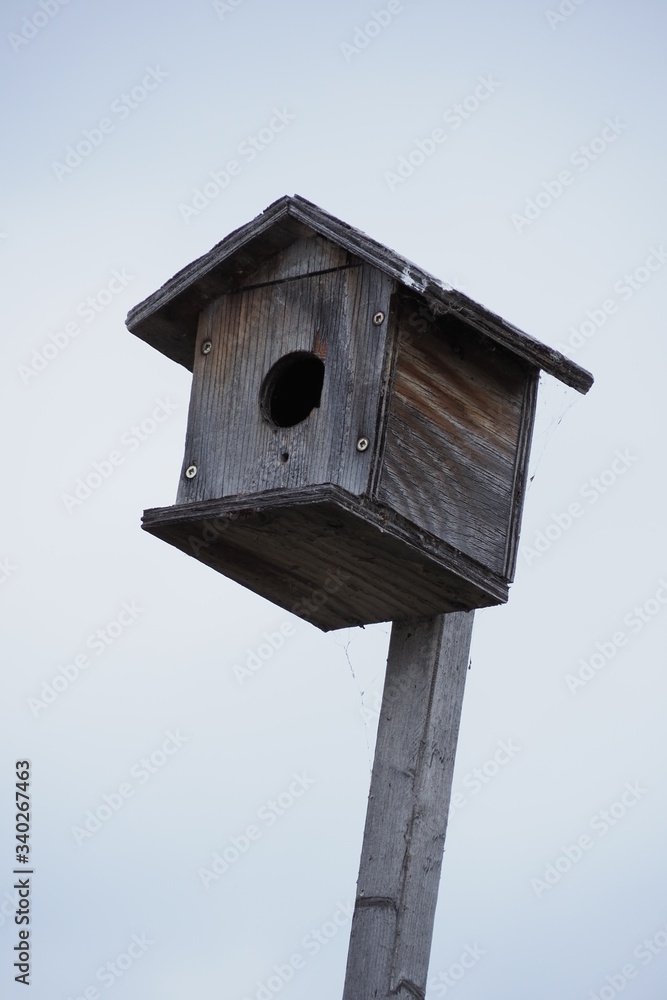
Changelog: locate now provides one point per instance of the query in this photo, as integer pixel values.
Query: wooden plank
(235, 447)
(310, 254)
(521, 474)
(406, 821)
(168, 319)
(285, 547)
(453, 430)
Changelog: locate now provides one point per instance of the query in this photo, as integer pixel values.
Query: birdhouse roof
(167, 320)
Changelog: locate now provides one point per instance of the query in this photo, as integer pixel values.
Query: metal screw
(362, 444)
(191, 472)
(206, 347)
(378, 318)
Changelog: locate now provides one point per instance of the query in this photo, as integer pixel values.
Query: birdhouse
(358, 433)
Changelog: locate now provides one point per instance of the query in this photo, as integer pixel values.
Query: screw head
(378, 319)
(206, 347)
(191, 472)
(362, 444)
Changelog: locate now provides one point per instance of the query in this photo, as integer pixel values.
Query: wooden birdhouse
(359, 432)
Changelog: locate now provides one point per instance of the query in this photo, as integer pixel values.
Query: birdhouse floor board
(327, 556)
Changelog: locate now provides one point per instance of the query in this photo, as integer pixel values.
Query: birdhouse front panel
(287, 384)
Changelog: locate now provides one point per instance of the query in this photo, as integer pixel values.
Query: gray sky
(545, 202)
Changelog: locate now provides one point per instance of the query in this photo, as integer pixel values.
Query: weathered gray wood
(521, 473)
(235, 447)
(443, 409)
(168, 319)
(442, 297)
(404, 837)
(452, 437)
(308, 255)
(288, 547)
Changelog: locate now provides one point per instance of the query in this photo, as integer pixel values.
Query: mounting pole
(404, 837)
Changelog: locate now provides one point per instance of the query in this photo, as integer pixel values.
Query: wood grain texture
(442, 298)
(287, 547)
(406, 821)
(521, 473)
(235, 447)
(453, 433)
(306, 255)
(167, 320)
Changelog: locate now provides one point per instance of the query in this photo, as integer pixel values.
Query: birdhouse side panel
(453, 433)
(521, 471)
(287, 380)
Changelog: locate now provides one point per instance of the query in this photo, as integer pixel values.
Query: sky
(516, 151)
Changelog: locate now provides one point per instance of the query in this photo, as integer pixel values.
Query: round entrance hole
(292, 388)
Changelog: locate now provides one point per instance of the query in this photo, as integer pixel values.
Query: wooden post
(404, 837)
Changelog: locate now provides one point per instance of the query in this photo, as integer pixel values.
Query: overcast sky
(542, 197)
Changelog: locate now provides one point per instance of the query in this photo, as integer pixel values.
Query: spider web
(554, 400)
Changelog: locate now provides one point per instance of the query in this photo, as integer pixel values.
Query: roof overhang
(167, 320)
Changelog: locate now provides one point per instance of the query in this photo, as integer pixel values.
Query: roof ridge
(167, 319)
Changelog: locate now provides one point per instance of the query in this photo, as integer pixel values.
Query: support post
(404, 837)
